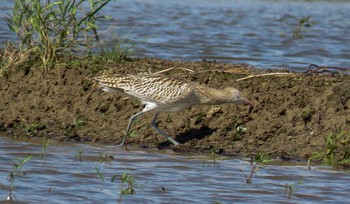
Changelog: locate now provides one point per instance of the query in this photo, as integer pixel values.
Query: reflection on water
(258, 32)
(160, 177)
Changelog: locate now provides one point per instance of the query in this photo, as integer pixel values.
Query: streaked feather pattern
(155, 88)
(166, 94)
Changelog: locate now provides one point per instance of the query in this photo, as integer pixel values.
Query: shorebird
(160, 93)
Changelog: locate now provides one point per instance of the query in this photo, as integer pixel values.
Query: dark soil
(292, 116)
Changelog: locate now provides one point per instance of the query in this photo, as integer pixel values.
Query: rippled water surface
(258, 32)
(235, 31)
(161, 176)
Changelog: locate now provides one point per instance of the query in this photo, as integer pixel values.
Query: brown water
(160, 177)
(258, 32)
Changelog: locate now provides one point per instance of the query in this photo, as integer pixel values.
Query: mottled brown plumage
(167, 94)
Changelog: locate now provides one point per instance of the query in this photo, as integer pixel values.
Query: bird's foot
(122, 143)
(173, 141)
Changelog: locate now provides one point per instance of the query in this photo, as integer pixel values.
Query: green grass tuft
(49, 30)
(335, 152)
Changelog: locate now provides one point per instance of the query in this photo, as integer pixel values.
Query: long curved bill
(247, 102)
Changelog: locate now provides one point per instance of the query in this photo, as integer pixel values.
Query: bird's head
(236, 96)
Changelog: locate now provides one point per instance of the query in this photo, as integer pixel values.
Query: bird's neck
(211, 96)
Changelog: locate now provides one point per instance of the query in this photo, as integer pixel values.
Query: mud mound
(292, 116)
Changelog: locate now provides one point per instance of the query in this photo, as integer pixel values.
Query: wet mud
(292, 115)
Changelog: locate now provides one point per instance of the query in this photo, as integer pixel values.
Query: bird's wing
(157, 88)
(113, 83)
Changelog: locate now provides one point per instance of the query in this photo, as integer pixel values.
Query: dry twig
(171, 68)
(267, 74)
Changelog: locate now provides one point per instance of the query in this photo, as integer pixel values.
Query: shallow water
(161, 176)
(258, 32)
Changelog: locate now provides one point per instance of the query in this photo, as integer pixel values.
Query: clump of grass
(119, 51)
(52, 29)
(255, 162)
(169, 119)
(304, 22)
(132, 134)
(307, 114)
(78, 122)
(31, 129)
(336, 150)
(127, 186)
(70, 130)
(12, 58)
(200, 118)
(17, 171)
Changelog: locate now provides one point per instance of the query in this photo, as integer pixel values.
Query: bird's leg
(154, 126)
(131, 121)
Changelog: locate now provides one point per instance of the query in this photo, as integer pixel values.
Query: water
(258, 32)
(233, 31)
(160, 177)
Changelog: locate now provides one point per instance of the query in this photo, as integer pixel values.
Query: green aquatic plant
(290, 188)
(127, 186)
(106, 158)
(80, 154)
(304, 22)
(100, 174)
(44, 145)
(255, 162)
(17, 171)
(214, 157)
(335, 152)
(52, 28)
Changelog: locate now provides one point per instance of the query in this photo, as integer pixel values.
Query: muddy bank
(292, 116)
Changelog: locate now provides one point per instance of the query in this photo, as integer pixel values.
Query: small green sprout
(255, 161)
(106, 158)
(335, 152)
(44, 145)
(17, 171)
(128, 181)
